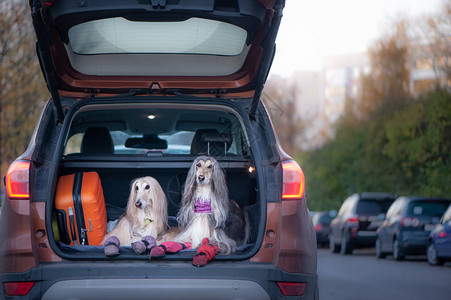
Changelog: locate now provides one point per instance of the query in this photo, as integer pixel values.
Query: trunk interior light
(293, 180)
(18, 288)
(292, 288)
(17, 180)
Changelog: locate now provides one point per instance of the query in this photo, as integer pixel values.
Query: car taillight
(292, 288)
(353, 220)
(293, 180)
(442, 234)
(409, 222)
(17, 180)
(318, 227)
(18, 288)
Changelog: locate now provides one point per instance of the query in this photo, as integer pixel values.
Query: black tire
(398, 253)
(332, 246)
(378, 246)
(346, 247)
(432, 256)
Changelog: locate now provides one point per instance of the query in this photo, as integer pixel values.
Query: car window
(427, 208)
(447, 215)
(344, 207)
(165, 131)
(324, 219)
(192, 36)
(393, 210)
(372, 207)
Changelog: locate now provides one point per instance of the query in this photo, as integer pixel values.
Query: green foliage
(406, 152)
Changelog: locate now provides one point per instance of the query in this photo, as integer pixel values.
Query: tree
(22, 88)
(387, 86)
(280, 99)
(433, 36)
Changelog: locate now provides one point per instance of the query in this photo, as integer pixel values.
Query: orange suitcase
(80, 208)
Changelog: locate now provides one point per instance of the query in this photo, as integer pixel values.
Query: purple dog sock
(111, 246)
(147, 243)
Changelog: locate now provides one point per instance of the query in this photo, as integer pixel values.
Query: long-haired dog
(146, 213)
(206, 208)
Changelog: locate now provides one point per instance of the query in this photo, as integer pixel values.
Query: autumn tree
(386, 87)
(280, 98)
(22, 88)
(433, 36)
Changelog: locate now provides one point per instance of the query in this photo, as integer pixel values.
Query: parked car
(439, 249)
(357, 221)
(144, 72)
(406, 228)
(321, 222)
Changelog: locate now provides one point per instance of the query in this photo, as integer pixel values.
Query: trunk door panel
(104, 47)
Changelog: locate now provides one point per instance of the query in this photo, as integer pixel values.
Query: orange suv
(141, 88)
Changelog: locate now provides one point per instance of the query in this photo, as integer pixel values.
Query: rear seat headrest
(210, 142)
(97, 140)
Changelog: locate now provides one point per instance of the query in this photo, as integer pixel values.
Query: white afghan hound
(146, 213)
(206, 208)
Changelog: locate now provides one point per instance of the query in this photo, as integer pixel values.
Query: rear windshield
(372, 206)
(191, 36)
(156, 131)
(427, 208)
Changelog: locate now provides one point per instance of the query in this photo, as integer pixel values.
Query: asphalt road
(363, 276)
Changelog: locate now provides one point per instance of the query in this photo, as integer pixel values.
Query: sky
(313, 29)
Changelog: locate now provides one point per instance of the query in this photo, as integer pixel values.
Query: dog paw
(200, 260)
(111, 246)
(139, 247)
(157, 252)
(147, 243)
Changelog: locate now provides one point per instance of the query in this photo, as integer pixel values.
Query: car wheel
(379, 253)
(333, 248)
(346, 248)
(398, 254)
(432, 256)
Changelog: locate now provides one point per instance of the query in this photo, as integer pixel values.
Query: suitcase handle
(72, 225)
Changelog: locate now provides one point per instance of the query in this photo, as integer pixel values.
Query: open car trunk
(161, 141)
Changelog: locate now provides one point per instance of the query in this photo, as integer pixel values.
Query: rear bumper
(415, 242)
(322, 237)
(363, 239)
(158, 280)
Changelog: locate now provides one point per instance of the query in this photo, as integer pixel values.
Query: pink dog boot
(111, 246)
(205, 253)
(144, 245)
(168, 247)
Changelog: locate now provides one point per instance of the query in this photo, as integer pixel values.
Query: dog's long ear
(219, 181)
(190, 183)
(186, 211)
(132, 198)
(160, 205)
(221, 205)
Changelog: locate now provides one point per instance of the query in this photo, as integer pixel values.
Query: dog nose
(138, 204)
(201, 177)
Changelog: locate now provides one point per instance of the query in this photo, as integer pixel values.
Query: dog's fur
(146, 201)
(206, 180)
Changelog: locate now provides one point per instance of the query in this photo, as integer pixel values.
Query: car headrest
(210, 142)
(97, 140)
